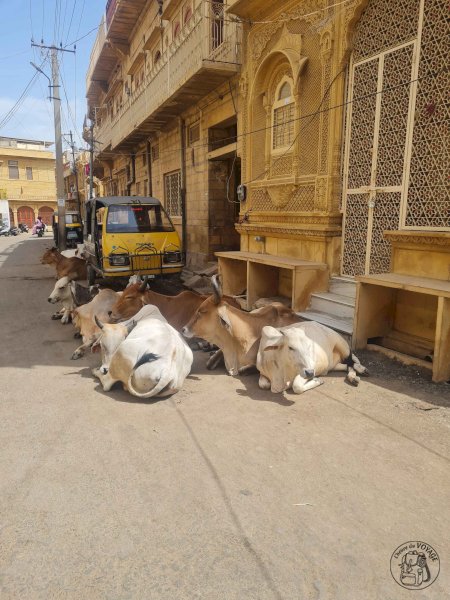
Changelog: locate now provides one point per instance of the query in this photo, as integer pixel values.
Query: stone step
(344, 326)
(333, 304)
(342, 286)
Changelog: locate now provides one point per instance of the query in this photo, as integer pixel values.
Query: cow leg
(57, 315)
(96, 372)
(300, 384)
(359, 367)
(215, 360)
(65, 317)
(340, 367)
(352, 377)
(247, 370)
(264, 383)
(79, 352)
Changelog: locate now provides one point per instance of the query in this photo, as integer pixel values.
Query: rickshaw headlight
(119, 260)
(172, 257)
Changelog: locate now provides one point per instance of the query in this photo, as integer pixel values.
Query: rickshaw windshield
(142, 218)
(70, 219)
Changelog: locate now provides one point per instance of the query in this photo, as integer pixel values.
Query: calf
(294, 357)
(74, 268)
(234, 331)
(149, 357)
(62, 293)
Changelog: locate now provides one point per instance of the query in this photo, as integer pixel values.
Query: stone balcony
(206, 53)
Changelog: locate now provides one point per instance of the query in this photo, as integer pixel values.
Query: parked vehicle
(4, 230)
(74, 228)
(23, 227)
(14, 231)
(127, 235)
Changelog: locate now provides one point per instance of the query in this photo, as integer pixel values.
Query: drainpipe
(149, 168)
(133, 174)
(183, 183)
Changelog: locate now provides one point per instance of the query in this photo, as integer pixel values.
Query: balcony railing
(96, 49)
(207, 48)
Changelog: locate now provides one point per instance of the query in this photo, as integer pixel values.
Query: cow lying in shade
(295, 356)
(73, 268)
(67, 293)
(235, 332)
(149, 357)
(83, 317)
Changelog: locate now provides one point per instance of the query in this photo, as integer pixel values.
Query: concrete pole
(58, 153)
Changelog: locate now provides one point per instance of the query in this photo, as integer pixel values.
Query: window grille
(155, 152)
(13, 166)
(29, 173)
(283, 126)
(217, 19)
(194, 133)
(172, 193)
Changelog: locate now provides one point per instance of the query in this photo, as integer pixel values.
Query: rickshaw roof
(129, 200)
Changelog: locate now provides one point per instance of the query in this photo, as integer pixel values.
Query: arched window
(283, 115)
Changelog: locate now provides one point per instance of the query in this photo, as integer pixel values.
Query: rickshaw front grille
(145, 262)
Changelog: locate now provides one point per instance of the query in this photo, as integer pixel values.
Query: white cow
(62, 293)
(149, 357)
(294, 357)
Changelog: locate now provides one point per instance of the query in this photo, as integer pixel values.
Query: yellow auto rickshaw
(74, 228)
(130, 235)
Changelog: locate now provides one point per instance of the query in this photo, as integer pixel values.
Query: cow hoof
(353, 381)
(56, 317)
(76, 356)
(77, 335)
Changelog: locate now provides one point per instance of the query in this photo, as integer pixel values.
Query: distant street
(223, 491)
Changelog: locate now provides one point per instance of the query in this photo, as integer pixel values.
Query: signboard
(61, 202)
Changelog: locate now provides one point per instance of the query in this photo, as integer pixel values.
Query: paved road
(221, 492)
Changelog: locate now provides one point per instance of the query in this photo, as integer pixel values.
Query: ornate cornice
(424, 238)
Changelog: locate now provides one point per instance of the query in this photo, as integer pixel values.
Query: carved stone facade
(367, 123)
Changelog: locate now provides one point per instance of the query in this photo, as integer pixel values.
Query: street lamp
(45, 75)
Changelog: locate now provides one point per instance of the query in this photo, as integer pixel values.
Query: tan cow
(83, 317)
(176, 309)
(235, 332)
(73, 268)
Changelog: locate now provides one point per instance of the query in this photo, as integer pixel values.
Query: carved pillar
(268, 108)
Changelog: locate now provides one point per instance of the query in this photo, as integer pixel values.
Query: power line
(71, 19)
(6, 118)
(82, 37)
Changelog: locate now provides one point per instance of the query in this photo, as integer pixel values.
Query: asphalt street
(223, 491)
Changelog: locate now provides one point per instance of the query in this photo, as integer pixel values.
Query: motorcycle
(14, 231)
(23, 227)
(40, 231)
(4, 230)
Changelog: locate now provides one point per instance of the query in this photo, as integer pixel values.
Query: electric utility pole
(54, 87)
(75, 171)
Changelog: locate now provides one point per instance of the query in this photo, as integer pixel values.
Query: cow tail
(146, 358)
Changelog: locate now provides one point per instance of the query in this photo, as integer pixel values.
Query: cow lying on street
(295, 356)
(149, 357)
(73, 268)
(176, 309)
(67, 293)
(83, 317)
(234, 331)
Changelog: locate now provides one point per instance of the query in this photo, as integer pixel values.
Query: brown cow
(176, 309)
(73, 268)
(234, 331)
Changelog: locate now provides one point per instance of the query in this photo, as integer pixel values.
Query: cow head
(61, 292)
(284, 354)
(130, 302)
(49, 256)
(211, 316)
(112, 335)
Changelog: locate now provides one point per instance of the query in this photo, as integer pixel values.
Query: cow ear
(225, 318)
(271, 333)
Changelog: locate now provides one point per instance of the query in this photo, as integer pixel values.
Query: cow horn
(98, 322)
(217, 289)
(144, 284)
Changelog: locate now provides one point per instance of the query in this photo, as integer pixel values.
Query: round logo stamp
(415, 565)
